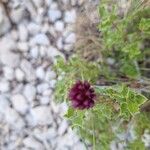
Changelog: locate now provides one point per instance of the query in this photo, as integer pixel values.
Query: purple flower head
(82, 95)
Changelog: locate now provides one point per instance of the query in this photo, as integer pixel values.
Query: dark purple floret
(82, 95)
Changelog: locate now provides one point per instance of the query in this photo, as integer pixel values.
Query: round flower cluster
(82, 95)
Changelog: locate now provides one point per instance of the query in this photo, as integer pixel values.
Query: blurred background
(32, 34)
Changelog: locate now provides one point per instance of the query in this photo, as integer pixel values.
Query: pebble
(31, 143)
(50, 75)
(33, 28)
(10, 59)
(43, 51)
(59, 26)
(40, 39)
(42, 87)
(23, 32)
(19, 74)
(52, 52)
(70, 38)
(40, 73)
(4, 103)
(44, 100)
(13, 119)
(52, 83)
(4, 86)
(38, 3)
(23, 46)
(7, 45)
(27, 67)
(48, 92)
(4, 22)
(8, 73)
(29, 92)
(60, 43)
(17, 15)
(41, 115)
(19, 103)
(63, 127)
(54, 14)
(34, 52)
(70, 16)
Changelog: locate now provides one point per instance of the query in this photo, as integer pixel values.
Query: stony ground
(32, 34)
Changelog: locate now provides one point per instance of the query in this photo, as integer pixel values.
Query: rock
(34, 52)
(7, 45)
(43, 51)
(70, 38)
(54, 107)
(60, 43)
(59, 26)
(33, 28)
(17, 88)
(45, 100)
(45, 27)
(42, 87)
(10, 59)
(29, 92)
(17, 14)
(54, 5)
(23, 32)
(54, 14)
(63, 127)
(19, 103)
(40, 39)
(22, 46)
(4, 103)
(73, 2)
(52, 83)
(50, 75)
(7, 57)
(79, 145)
(70, 16)
(19, 74)
(4, 86)
(146, 138)
(28, 69)
(31, 143)
(38, 3)
(52, 52)
(13, 119)
(110, 61)
(41, 115)
(14, 35)
(40, 73)
(68, 47)
(47, 92)
(8, 73)
(4, 21)
(48, 2)
(51, 133)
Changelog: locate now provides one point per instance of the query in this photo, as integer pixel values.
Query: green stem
(94, 142)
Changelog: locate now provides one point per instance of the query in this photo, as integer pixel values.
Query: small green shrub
(118, 86)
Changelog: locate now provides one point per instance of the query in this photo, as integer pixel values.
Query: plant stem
(94, 142)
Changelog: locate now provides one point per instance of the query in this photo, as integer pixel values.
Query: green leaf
(124, 112)
(136, 145)
(132, 50)
(130, 69)
(133, 107)
(69, 113)
(144, 24)
(140, 99)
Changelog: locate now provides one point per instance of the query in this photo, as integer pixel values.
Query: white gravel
(34, 33)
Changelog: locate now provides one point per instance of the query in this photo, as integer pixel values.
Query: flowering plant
(107, 99)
